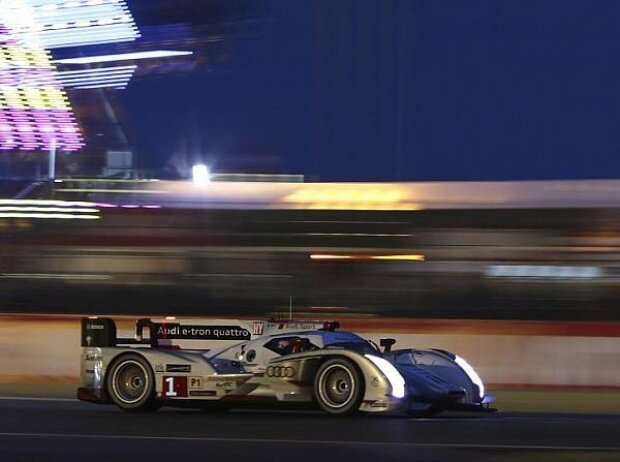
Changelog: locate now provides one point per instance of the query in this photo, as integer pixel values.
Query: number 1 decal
(174, 386)
(170, 391)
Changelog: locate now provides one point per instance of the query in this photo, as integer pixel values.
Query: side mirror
(387, 343)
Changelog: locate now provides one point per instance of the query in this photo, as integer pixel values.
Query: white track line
(314, 442)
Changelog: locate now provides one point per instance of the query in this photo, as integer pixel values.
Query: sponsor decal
(195, 382)
(280, 371)
(225, 377)
(159, 367)
(258, 327)
(202, 393)
(225, 384)
(178, 368)
(187, 332)
(94, 327)
(92, 356)
(378, 404)
(299, 325)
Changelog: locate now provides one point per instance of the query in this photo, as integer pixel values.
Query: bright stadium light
(200, 175)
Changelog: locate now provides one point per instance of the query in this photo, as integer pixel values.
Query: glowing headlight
(474, 377)
(396, 380)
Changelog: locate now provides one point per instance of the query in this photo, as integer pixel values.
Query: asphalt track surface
(67, 430)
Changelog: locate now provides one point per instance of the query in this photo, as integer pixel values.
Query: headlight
(473, 376)
(396, 380)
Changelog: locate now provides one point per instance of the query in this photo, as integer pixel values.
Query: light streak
(318, 256)
(405, 257)
(354, 197)
(46, 209)
(398, 257)
(58, 216)
(99, 70)
(123, 57)
(51, 203)
(87, 277)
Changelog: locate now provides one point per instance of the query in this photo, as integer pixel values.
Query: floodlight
(200, 174)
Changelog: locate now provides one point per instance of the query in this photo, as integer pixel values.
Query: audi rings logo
(280, 371)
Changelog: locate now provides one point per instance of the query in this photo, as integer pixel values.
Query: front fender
(377, 388)
(444, 365)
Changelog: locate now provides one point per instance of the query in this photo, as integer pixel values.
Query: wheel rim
(336, 386)
(130, 382)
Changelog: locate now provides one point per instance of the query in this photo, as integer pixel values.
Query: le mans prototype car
(297, 362)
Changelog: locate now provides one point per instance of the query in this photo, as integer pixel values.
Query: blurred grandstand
(493, 250)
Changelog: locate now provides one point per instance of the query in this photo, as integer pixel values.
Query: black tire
(130, 384)
(339, 387)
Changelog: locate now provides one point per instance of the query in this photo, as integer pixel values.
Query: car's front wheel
(131, 384)
(339, 386)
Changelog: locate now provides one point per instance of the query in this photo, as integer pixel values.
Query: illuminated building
(34, 110)
(49, 24)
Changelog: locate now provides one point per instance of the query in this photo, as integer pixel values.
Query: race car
(269, 362)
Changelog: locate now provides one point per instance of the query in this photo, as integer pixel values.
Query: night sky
(385, 90)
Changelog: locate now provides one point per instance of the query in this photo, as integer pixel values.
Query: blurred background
(445, 171)
(443, 250)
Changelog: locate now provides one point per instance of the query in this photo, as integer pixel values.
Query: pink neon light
(30, 128)
(34, 128)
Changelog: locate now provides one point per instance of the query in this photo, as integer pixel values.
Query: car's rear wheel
(130, 384)
(339, 387)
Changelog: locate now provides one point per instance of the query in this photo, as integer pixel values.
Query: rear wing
(192, 333)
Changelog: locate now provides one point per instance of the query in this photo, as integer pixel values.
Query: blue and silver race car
(339, 372)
